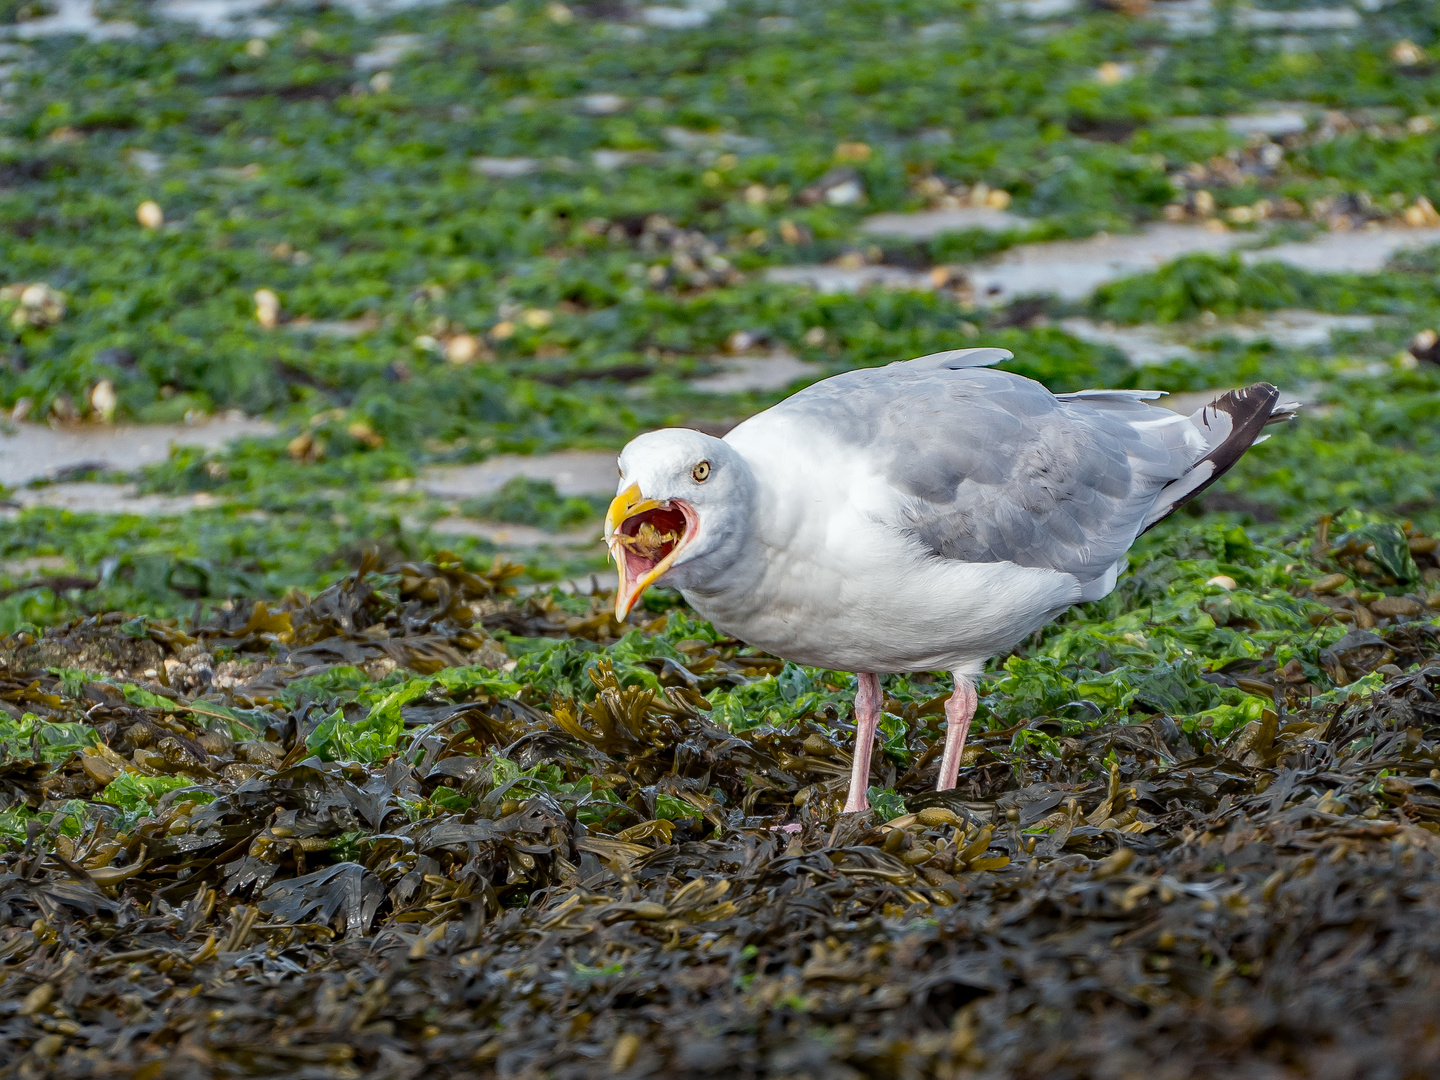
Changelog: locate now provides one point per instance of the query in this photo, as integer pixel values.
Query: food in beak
(644, 537)
(648, 544)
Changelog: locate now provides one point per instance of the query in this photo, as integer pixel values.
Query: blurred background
(284, 282)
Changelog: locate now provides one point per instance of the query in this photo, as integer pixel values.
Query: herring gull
(922, 516)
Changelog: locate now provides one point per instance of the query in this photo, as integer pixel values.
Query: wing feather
(988, 466)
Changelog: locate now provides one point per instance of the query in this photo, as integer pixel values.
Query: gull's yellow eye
(701, 472)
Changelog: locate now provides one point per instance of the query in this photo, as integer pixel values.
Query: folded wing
(987, 466)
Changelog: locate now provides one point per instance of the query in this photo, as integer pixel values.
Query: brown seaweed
(1263, 907)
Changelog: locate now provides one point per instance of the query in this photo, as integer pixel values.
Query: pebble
(1406, 54)
(267, 308)
(103, 400)
(463, 348)
(40, 305)
(1112, 73)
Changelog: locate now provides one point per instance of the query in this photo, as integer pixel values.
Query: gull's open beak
(642, 558)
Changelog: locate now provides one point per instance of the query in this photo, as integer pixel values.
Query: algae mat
(415, 825)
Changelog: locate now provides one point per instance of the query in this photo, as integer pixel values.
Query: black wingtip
(1246, 411)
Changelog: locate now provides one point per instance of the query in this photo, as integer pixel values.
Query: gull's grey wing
(955, 359)
(989, 466)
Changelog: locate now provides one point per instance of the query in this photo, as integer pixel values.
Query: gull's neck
(731, 561)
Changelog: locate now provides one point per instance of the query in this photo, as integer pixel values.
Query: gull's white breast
(831, 577)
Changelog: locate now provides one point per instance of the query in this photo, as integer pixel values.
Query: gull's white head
(682, 511)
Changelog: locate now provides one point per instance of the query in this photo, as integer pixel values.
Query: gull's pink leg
(867, 719)
(959, 709)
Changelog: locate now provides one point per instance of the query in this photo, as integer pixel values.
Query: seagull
(923, 516)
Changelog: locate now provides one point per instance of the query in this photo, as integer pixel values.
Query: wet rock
(1187, 18)
(1037, 9)
(1305, 19)
(91, 646)
(35, 451)
(713, 142)
(573, 472)
(841, 186)
(222, 18)
(610, 160)
(1073, 269)
(690, 16)
(744, 374)
(507, 535)
(1140, 344)
(93, 497)
(75, 17)
(1156, 344)
(388, 50)
(603, 104)
(1363, 251)
(842, 279)
(927, 224)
